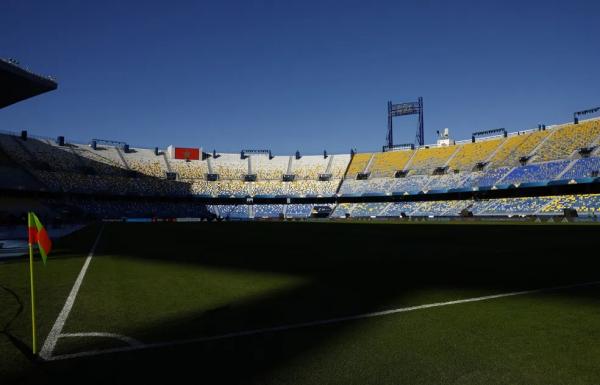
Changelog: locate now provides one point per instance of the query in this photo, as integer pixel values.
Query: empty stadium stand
(470, 154)
(583, 168)
(385, 164)
(537, 157)
(358, 164)
(535, 172)
(517, 146)
(427, 159)
(567, 139)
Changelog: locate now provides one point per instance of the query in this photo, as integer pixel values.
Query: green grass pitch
(171, 287)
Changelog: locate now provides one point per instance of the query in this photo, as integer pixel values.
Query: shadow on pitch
(17, 343)
(350, 269)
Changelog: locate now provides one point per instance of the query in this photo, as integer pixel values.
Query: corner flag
(39, 236)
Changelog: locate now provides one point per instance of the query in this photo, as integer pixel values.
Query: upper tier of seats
(427, 159)
(564, 141)
(359, 164)
(470, 154)
(515, 147)
(385, 164)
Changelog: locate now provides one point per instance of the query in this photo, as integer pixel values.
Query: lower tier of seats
(586, 205)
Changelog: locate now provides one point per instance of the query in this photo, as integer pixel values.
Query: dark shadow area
(461, 253)
(19, 307)
(348, 268)
(17, 343)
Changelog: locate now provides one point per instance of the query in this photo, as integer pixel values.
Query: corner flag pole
(33, 331)
(38, 234)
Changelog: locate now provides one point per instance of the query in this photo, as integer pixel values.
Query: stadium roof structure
(17, 84)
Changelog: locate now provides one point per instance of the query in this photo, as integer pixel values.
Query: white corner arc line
(314, 323)
(54, 335)
(128, 340)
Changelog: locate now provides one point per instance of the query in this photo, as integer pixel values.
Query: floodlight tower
(401, 109)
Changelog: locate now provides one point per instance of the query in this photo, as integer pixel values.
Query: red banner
(187, 153)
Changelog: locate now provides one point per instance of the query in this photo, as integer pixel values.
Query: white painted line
(128, 340)
(50, 343)
(315, 323)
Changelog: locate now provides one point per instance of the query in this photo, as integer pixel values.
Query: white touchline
(50, 343)
(314, 323)
(128, 340)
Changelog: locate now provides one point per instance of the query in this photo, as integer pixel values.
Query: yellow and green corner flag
(38, 236)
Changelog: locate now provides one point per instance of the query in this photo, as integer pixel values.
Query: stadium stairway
(573, 154)
(432, 179)
(290, 165)
(493, 153)
(77, 156)
(329, 165)
(166, 162)
(593, 143)
(368, 166)
(541, 209)
(499, 181)
(120, 153)
(541, 143)
(333, 209)
(566, 169)
(24, 149)
(429, 182)
(596, 143)
(13, 162)
(409, 162)
(82, 151)
(385, 209)
(344, 176)
(464, 179)
(456, 151)
(209, 165)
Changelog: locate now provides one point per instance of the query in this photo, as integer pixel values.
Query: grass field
(243, 303)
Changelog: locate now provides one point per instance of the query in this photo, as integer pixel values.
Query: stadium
(467, 260)
(547, 172)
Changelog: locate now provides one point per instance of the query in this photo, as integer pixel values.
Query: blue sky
(298, 75)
